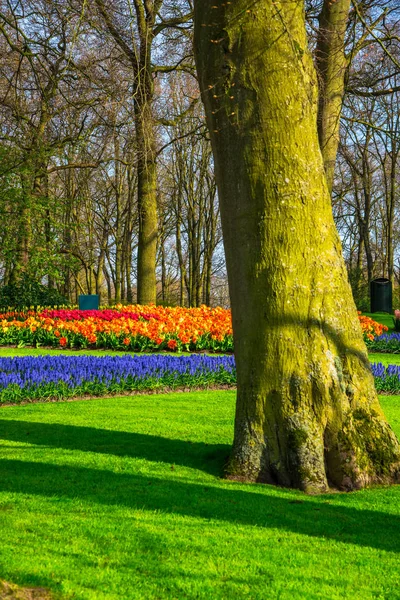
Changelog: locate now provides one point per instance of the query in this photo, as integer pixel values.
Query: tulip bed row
(46, 377)
(370, 328)
(376, 338)
(134, 328)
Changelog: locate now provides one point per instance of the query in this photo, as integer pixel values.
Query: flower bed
(134, 328)
(106, 314)
(57, 377)
(370, 328)
(41, 377)
(387, 379)
(387, 342)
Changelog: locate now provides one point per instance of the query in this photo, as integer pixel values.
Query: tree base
(364, 452)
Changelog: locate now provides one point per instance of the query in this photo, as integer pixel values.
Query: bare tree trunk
(140, 56)
(331, 63)
(109, 286)
(147, 205)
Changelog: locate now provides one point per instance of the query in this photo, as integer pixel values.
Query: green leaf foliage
(29, 292)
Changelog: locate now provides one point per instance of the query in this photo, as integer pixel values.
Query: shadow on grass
(314, 517)
(209, 458)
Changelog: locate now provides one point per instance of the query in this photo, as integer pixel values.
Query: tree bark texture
(331, 63)
(147, 204)
(307, 413)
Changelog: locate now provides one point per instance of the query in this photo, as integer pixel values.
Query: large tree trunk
(307, 412)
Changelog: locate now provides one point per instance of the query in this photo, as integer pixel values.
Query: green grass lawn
(384, 358)
(121, 498)
(29, 351)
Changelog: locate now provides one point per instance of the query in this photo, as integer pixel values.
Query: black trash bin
(381, 295)
(89, 302)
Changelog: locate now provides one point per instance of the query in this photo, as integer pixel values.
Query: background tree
(135, 38)
(346, 29)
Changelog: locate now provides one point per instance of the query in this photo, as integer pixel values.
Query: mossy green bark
(307, 412)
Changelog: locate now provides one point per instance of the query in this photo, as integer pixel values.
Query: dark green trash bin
(89, 302)
(381, 295)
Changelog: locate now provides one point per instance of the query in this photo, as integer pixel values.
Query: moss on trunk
(307, 412)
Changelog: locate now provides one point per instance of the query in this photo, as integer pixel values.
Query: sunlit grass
(29, 351)
(122, 498)
(384, 358)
